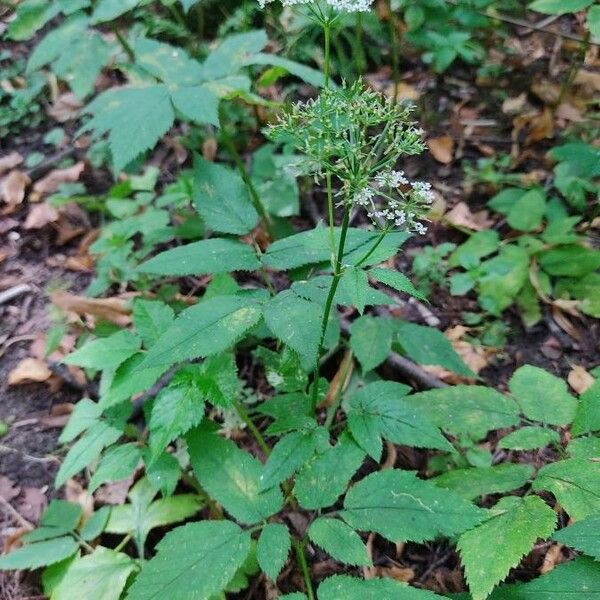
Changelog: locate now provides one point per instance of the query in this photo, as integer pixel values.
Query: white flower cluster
(340, 5)
(395, 202)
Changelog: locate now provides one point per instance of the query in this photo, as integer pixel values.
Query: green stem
(124, 542)
(327, 32)
(373, 248)
(303, 564)
(330, 216)
(395, 51)
(124, 44)
(329, 303)
(260, 440)
(360, 60)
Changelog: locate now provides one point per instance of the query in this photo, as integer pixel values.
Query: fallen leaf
(10, 161)
(404, 574)
(115, 310)
(209, 148)
(75, 492)
(579, 379)
(51, 182)
(461, 216)
(33, 504)
(29, 370)
(8, 490)
(40, 215)
(514, 105)
(65, 108)
(13, 187)
(475, 357)
(442, 148)
(552, 558)
(569, 113)
(114, 493)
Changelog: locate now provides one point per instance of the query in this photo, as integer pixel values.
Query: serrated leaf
(584, 447)
(108, 10)
(396, 280)
(58, 519)
(207, 328)
(339, 540)
(84, 415)
(31, 16)
(575, 484)
(528, 211)
(118, 463)
(273, 548)
(371, 341)
(467, 409)
(587, 415)
(39, 554)
(95, 525)
(202, 557)
(489, 551)
(317, 290)
(197, 104)
(355, 284)
(554, 406)
(217, 255)
(529, 438)
(105, 353)
(559, 7)
(232, 477)
(378, 410)
(582, 536)
(221, 198)
(308, 74)
(401, 507)
(151, 319)
(326, 476)
(479, 481)
(163, 473)
(344, 587)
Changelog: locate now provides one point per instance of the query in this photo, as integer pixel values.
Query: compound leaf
(339, 540)
(273, 548)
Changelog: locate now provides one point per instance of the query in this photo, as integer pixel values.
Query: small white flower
(341, 5)
(420, 228)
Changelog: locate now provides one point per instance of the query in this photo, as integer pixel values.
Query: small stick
(14, 292)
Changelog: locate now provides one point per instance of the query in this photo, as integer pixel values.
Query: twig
(15, 513)
(14, 292)
(48, 164)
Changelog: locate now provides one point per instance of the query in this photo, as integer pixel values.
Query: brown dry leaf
(74, 492)
(33, 504)
(65, 108)
(442, 148)
(391, 455)
(51, 182)
(13, 188)
(564, 323)
(568, 112)
(41, 215)
(398, 573)
(8, 490)
(461, 216)
(475, 357)
(514, 105)
(579, 379)
(546, 91)
(369, 572)
(209, 148)
(589, 80)
(10, 161)
(541, 127)
(340, 380)
(445, 375)
(29, 370)
(407, 92)
(456, 333)
(115, 310)
(552, 558)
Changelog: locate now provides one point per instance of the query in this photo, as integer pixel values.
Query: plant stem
(303, 564)
(330, 217)
(327, 32)
(395, 51)
(260, 440)
(124, 43)
(373, 248)
(337, 274)
(124, 542)
(359, 54)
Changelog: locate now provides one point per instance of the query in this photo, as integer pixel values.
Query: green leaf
(371, 341)
(60, 518)
(582, 536)
(84, 415)
(396, 280)
(587, 415)
(584, 447)
(151, 319)
(479, 481)
(528, 211)
(344, 587)
(326, 476)
(202, 557)
(217, 255)
(232, 477)
(505, 200)
(283, 371)
(105, 353)
(207, 328)
(554, 405)
(30, 16)
(559, 7)
(489, 551)
(297, 323)
(339, 540)
(309, 75)
(171, 64)
(163, 473)
(101, 575)
(479, 245)
(95, 525)
(428, 346)
(221, 198)
(39, 554)
(575, 484)
(197, 104)
(401, 507)
(570, 261)
(355, 284)
(467, 409)
(233, 53)
(118, 463)
(378, 410)
(289, 454)
(273, 548)
(529, 438)
(108, 10)
(593, 21)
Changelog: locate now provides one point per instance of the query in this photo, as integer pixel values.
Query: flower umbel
(339, 5)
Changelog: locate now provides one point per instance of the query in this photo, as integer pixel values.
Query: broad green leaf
(290, 412)
(289, 454)
(221, 198)
(396, 280)
(199, 558)
(339, 540)
(478, 246)
(575, 484)
(559, 7)
(355, 284)
(308, 74)
(54, 574)
(197, 104)
(283, 370)
(84, 415)
(326, 476)
(317, 290)
(105, 353)
(584, 447)
(489, 551)
(86, 450)
(233, 53)
(39, 554)
(371, 340)
(232, 477)
(428, 346)
(118, 463)
(467, 409)
(570, 261)
(273, 548)
(151, 319)
(171, 64)
(593, 21)
(297, 323)
(587, 415)
(582, 536)
(108, 10)
(344, 587)
(58, 519)
(401, 507)
(207, 328)
(30, 16)
(529, 438)
(378, 410)
(528, 211)
(479, 481)
(542, 396)
(163, 473)
(95, 525)
(505, 200)
(217, 255)
(134, 118)
(101, 575)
